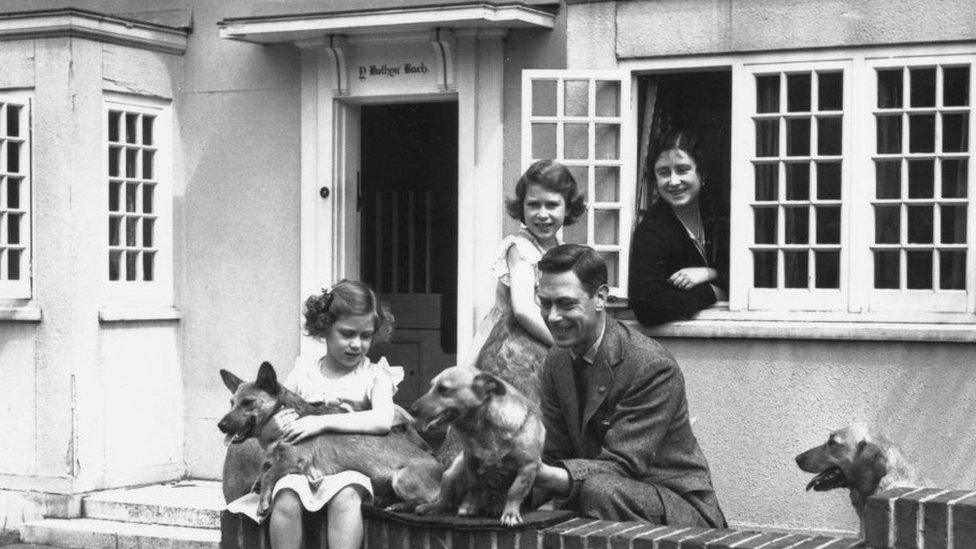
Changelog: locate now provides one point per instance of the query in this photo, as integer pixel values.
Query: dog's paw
(467, 509)
(511, 518)
(428, 509)
(400, 507)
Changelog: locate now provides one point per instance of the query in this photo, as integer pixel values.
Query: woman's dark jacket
(661, 246)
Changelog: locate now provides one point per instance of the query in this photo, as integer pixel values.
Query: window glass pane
(919, 264)
(131, 162)
(114, 258)
(889, 89)
(13, 157)
(767, 137)
(147, 265)
(114, 193)
(606, 226)
(888, 178)
(955, 86)
(131, 259)
(767, 182)
(13, 228)
(13, 192)
(798, 92)
(955, 132)
(921, 133)
(798, 137)
(577, 98)
(130, 196)
(797, 225)
(114, 119)
(131, 127)
(544, 97)
(764, 268)
(829, 136)
(887, 224)
(798, 181)
(828, 224)
(765, 225)
(889, 134)
(922, 83)
(887, 265)
(113, 161)
(920, 224)
(607, 183)
(147, 232)
(613, 262)
(576, 233)
(543, 141)
(828, 180)
(921, 178)
(796, 268)
(147, 129)
(147, 198)
(828, 269)
(767, 93)
(131, 226)
(954, 178)
(114, 229)
(607, 141)
(581, 176)
(13, 264)
(952, 269)
(607, 98)
(13, 120)
(147, 164)
(953, 224)
(576, 142)
(830, 95)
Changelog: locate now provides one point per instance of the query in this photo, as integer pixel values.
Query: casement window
(139, 238)
(849, 177)
(581, 119)
(15, 196)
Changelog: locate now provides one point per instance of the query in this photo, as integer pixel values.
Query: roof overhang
(293, 28)
(93, 26)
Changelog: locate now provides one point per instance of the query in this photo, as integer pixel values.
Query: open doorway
(408, 199)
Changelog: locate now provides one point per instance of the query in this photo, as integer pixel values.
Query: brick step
(110, 534)
(192, 503)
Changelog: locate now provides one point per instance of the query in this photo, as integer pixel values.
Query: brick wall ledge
(921, 518)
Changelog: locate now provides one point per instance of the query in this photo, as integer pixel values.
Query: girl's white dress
(500, 344)
(355, 387)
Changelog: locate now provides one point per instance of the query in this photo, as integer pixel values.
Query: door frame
(330, 155)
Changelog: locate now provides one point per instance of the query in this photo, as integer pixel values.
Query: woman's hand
(302, 428)
(689, 277)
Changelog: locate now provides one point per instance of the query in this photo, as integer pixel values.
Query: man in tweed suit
(619, 445)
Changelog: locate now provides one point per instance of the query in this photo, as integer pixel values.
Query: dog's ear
(267, 379)
(868, 467)
(230, 380)
(485, 384)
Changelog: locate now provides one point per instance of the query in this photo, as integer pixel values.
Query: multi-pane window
(15, 200)
(921, 199)
(132, 195)
(578, 119)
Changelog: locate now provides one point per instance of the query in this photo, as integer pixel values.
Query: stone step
(190, 503)
(109, 534)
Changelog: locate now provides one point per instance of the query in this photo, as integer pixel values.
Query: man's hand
(554, 479)
(689, 277)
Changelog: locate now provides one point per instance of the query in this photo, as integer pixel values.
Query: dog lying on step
(860, 459)
(502, 435)
(398, 466)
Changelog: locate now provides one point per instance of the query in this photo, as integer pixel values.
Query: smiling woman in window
(678, 256)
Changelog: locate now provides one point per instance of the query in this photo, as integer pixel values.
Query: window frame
(159, 290)
(858, 106)
(23, 287)
(626, 159)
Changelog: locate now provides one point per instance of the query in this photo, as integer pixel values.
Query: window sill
(138, 313)
(20, 313)
(719, 322)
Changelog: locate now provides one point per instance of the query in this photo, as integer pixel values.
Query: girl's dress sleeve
(384, 373)
(499, 268)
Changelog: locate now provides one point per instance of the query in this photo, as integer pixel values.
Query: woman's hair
(553, 177)
(346, 298)
(680, 139)
(585, 262)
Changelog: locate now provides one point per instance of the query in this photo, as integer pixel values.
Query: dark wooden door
(408, 200)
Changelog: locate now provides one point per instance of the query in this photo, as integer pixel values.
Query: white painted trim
(297, 27)
(20, 313)
(128, 314)
(92, 26)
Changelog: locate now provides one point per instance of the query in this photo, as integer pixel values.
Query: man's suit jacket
(637, 417)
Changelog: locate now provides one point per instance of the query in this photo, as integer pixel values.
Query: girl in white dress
(347, 319)
(512, 340)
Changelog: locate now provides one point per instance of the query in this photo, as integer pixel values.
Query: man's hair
(583, 261)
